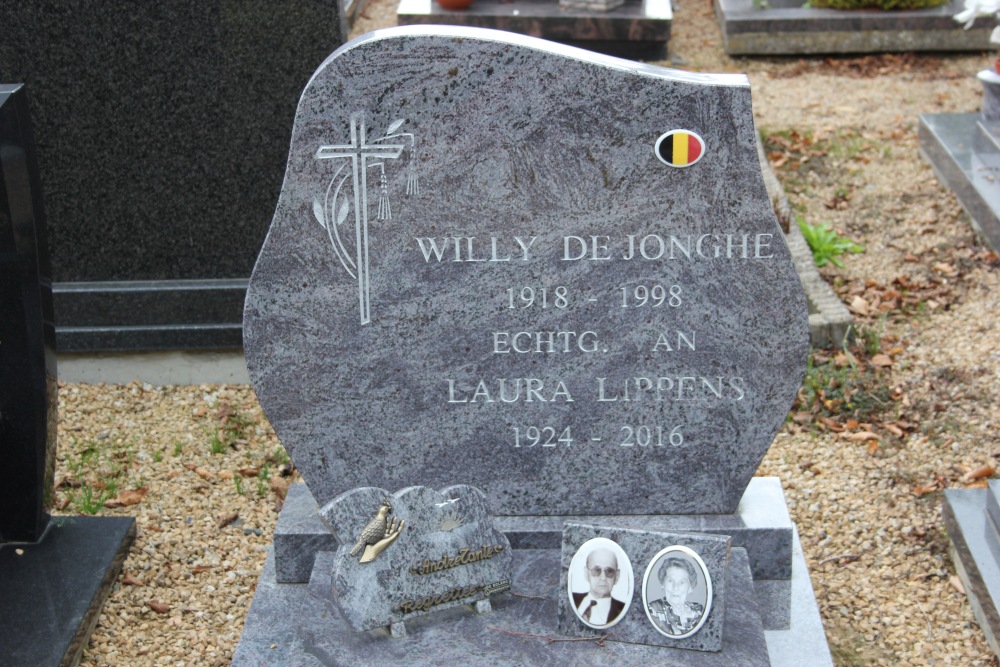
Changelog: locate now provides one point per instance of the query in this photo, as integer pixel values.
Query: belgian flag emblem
(680, 148)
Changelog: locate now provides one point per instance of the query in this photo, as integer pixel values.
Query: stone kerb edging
(829, 320)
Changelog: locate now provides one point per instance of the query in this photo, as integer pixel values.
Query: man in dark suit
(598, 607)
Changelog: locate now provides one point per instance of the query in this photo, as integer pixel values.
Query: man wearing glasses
(597, 608)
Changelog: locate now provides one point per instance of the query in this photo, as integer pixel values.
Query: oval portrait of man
(677, 592)
(600, 583)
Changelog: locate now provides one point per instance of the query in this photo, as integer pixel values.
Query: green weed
(88, 500)
(826, 244)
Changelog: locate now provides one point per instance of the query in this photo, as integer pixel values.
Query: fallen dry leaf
(859, 305)
(981, 484)
(204, 474)
(227, 519)
(979, 473)
(831, 424)
(129, 580)
(198, 569)
(860, 436)
(881, 360)
(956, 584)
(249, 472)
(924, 490)
(279, 486)
(226, 474)
(158, 607)
(895, 430)
(127, 497)
(873, 446)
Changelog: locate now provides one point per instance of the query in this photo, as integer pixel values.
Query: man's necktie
(586, 612)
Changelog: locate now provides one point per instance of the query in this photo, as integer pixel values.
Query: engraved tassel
(412, 188)
(384, 210)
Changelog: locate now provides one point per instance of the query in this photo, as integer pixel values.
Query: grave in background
(164, 130)
(55, 572)
(788, 27)
(636, 29)
(549, 274)
(972, 518)
(964, 150)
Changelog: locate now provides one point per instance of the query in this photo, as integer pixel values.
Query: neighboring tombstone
(165, 128)
(964, 149)
(554, 276)
(637, 29)
(972, 519)
(54, 573)
(28, 393)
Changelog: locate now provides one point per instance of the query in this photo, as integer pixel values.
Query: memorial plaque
(414, 553)
(550, 274)
(676, 581)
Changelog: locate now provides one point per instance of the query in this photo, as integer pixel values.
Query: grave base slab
(966, 159)
(786, 607)
(52, 592)
(965, 513)
(298, 624)
(761, 525)
(637, 29)
(785, 27)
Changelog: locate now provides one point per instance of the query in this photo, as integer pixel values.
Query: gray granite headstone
(444, 551)
(493, 264)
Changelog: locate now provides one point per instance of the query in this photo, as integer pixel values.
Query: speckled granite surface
(527, 165)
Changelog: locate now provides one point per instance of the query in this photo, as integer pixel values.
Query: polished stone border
(965, 517)
(149, 315)
(786, 27)
(830, 323)
(51, 594)
(964, 160)
(639, 29)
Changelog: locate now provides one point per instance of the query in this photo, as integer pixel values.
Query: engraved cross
(359, 151)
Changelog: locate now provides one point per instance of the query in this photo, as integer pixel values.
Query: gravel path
(863, 471)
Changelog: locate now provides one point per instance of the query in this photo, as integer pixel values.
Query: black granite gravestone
(54, 573)
(27, 336)
(166, 127)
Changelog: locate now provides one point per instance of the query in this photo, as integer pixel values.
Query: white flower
(975, 9)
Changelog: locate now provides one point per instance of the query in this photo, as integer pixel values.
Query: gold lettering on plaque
(464, 557)
(425, 603)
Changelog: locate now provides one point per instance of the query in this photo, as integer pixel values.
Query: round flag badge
(679, 148)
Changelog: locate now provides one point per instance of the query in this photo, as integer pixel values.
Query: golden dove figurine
(378, 534)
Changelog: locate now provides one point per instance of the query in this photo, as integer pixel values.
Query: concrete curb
(830, 323)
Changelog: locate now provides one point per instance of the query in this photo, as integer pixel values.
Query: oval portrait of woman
(599, 583)
(677, 592)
